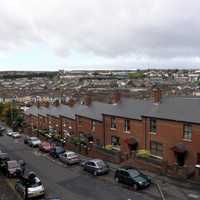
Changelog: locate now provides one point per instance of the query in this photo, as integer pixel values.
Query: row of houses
(167, 127)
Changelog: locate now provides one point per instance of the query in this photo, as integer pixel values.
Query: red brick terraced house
(168, 127)
(68, 120)
(31, 116)
(123, 124)
(89, 121)
(172, 130)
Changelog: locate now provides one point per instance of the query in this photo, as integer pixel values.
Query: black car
(3, 159)
(132, 177)
(57, 151)
(26, 138)
(95, 167)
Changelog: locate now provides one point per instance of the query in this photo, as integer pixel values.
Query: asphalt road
(70, 183)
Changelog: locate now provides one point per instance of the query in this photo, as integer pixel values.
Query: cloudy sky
(99, 34)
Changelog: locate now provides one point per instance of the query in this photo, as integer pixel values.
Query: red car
(46, 147)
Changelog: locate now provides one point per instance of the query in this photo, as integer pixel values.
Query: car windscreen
(34, 139)
(34, 183)
(59, 150)
(133, 173)
(71, 155)
(101, 164)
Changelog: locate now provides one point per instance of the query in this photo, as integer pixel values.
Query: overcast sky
(99, 34)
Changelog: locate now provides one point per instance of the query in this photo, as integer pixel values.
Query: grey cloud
(137, 31)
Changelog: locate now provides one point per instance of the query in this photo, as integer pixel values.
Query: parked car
(57, 151)
(46, 147)
(2, 130)
(3, 159)
(35, 186)
(11, 168)
(26, 138)
(132, 177)
(9, 133)
(34, 141)
(69, 158)
(95, 167)
(16, 135)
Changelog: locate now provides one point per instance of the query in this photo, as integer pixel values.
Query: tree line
(11, 114)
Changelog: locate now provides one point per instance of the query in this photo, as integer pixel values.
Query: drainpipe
(104, 134)
(145, 132)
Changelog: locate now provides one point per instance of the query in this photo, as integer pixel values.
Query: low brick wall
(95, 153)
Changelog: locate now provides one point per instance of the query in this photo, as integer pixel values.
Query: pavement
(72, 183)
(7, 192)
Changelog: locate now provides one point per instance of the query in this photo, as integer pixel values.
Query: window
(153, 126)
(156, 149)
(187, 131)
(80, 121)
(115, 141)
(93, 125)
(127, 125)
(113, 122)
(198, 158)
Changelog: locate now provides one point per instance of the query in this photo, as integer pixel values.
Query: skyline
(99, 34)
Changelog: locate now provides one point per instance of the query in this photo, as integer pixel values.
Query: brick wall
(84, 126)
(136, 131)
(170, 133)
(68, 126)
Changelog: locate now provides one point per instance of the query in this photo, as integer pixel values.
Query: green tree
(136, 75)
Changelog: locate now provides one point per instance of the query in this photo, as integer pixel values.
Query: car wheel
(135, 187)
(116, 179)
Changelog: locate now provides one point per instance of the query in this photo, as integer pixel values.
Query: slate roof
(129, 108)
(186, 109)
(94, 111)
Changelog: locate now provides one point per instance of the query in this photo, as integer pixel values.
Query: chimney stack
(71, 102)
(157, 95)
(87, 100)
(56, 103)
(116, 98)
(46, 104)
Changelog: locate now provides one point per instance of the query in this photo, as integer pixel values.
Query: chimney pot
(87, 100)
(71, 102)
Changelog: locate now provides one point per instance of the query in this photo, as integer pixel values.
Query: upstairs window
(93, 125)
(80, 121)
(126, 125)
(198, 158)
(113, 122)
(187, 131)
(153, 125)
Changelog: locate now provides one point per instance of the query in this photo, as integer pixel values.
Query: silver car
(35, 188)
(33, 141)
(69, 158)
(16, 135)
(95, 167)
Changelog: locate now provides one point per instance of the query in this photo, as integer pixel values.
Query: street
(70, 183)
